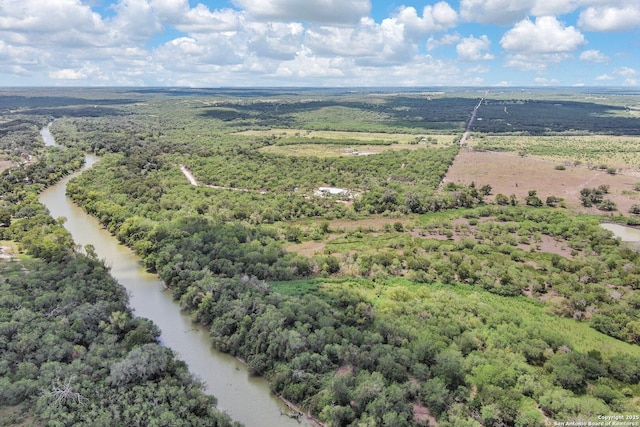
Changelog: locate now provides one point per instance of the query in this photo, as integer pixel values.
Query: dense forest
(71, 353)
(397, 302)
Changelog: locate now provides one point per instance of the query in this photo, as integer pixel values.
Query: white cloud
(445, 40)
(625, 71)
(631, 82)
(473, 49)
(198, 55)
(555, 7)
(593, 55)
(605, 78)
(527, 63)
(546, 35)
(317, 11)
(171, 11)
(500, 12)
(478, 69)
(508, 12)
(543, 81)
(610, 18)
(438, 17)
(276, 40)
(202, 20)
(38, 17)
(369, 42)
(135, 19)
(68, 74)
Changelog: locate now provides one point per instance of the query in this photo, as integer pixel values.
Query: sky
(319, 43)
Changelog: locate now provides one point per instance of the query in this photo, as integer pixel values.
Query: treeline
(542, 117)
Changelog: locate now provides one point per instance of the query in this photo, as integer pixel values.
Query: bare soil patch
(511, 174)
(5, 164)
(307, 249)
(8, 252)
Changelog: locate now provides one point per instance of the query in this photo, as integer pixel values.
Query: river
(246, 399)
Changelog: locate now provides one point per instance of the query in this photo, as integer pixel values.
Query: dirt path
(188, 175)
(192, 180)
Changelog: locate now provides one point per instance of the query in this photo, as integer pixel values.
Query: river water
(246, 399)
(626, 234)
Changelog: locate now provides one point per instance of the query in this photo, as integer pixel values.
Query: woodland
(399, 301)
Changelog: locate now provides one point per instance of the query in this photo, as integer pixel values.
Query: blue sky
(215, 43)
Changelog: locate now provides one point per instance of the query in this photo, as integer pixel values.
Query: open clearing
(400, 138)
(621, 152)
(329, 150)
(511, 174)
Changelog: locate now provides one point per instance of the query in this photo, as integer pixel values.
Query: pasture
(596, 151)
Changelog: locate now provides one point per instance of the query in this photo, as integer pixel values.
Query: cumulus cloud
(369, 42)
(38, 17)
(202, 20)
(171, 11)
(135, 19)
(543, 81)
(276, 40)
(605, 78)
(625, 71)
(445, 40)
(69, 74)
(501, 12)
(546, 35)
(529, 63)
(610, 18)
(438, 17)
(473, 49)
(593, 55)
(197, 55)
(191, 42)
(508, 12)
(317, 11)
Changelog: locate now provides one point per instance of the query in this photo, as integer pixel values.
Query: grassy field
(601, 151)
(399, 138)
(327, 150)
(293, 142)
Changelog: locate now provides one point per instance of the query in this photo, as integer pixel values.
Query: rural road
(463, 140)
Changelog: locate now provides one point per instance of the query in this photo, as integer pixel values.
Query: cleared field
(327, 150)
(399, 138)
(620, 152)
(511, 174)
(340, 143)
